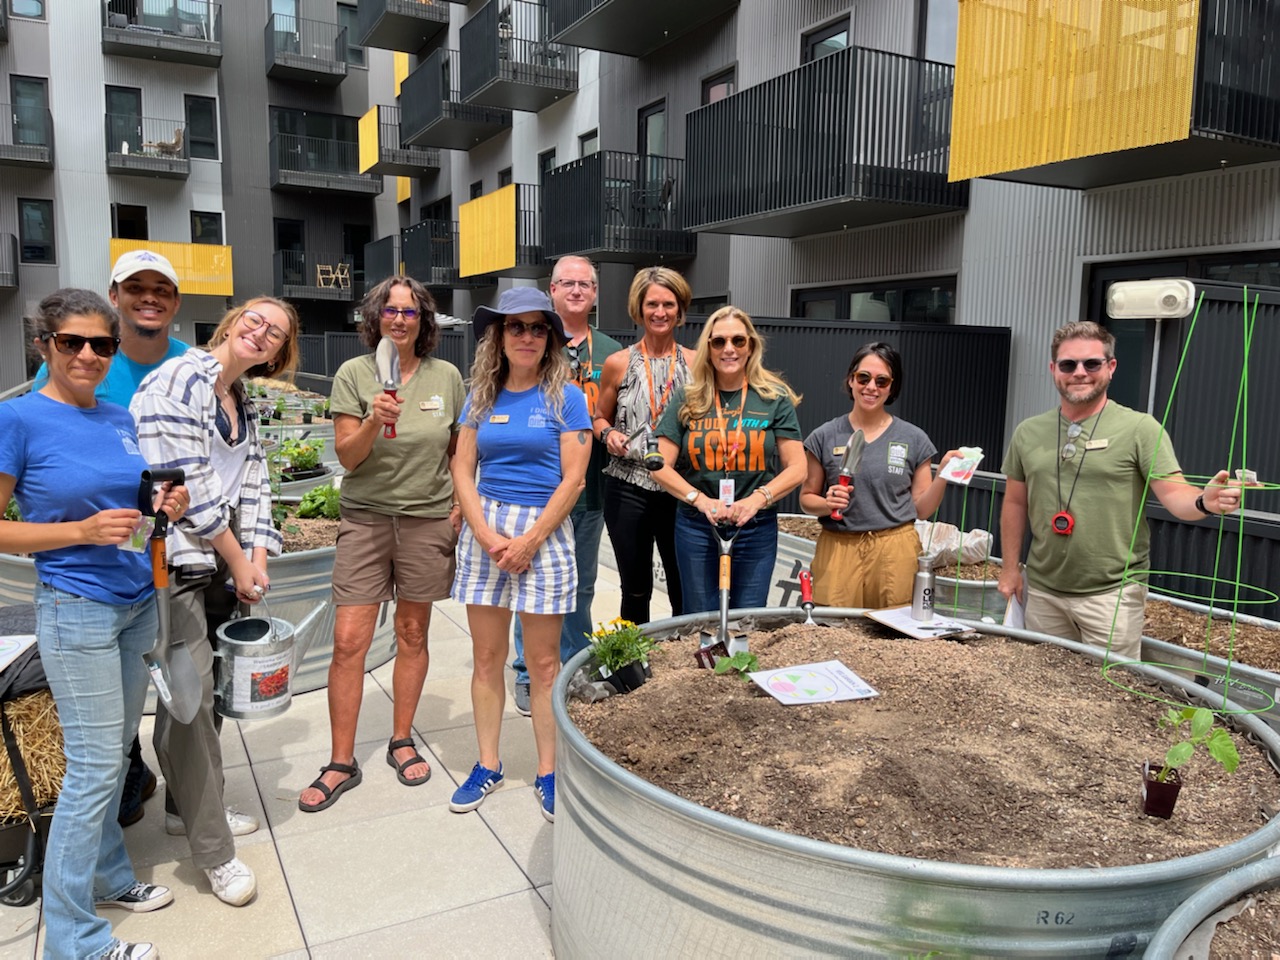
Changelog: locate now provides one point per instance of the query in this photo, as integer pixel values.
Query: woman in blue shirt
(95, 609)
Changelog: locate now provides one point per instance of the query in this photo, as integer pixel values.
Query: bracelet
(604, 434)
(768, 494)
(454, 505)
(1201, 507)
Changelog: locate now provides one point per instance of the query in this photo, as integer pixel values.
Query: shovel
(170, 664)
(387, 359)
(727, 532)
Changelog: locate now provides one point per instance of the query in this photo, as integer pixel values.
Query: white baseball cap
(135, 261)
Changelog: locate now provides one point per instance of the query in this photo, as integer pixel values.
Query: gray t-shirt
(882, 488)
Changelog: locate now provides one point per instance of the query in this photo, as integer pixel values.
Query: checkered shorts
(548, 586)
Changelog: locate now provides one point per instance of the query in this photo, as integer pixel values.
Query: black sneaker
(131, 951)
(141, 898)
(139, 785)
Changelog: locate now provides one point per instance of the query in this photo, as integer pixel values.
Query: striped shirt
(176, 409)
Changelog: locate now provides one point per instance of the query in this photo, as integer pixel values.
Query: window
(129, 222)
(28, 8)
(349, 18)
(719, 86)
(477, 189)
(938, 25)
(652, 134)
(30, 99)
(202, 127)
(824, 41)
(903, 301)
(504, 177)
(589, 143)
(35, 231)
(546, 163)
(441, 209)
(206, 227)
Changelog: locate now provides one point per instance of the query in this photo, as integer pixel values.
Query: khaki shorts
(873, 569)
(1089, 618)
(380, 557)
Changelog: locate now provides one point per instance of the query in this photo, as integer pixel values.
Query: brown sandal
(331, 794)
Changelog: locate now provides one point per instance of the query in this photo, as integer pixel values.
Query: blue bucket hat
(514, 301)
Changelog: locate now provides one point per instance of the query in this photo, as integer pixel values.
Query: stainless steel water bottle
(922, 591)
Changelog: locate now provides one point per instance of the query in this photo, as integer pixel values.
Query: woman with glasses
(193, 413)
(526, 431)
(868, 558)
(398, 528)
(730, 441)
(74, 466)
(636, 386)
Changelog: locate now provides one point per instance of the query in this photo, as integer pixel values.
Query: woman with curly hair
(398, 528)
(732, 447)
(525, 427)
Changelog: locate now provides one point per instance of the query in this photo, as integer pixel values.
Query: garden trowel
(387, 359)
(850, 464)
(172, 669)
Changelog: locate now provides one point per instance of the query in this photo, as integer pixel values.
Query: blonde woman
(732, 447)
(526, 431)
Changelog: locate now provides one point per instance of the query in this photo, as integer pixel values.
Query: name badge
(1099, 444)
(837, 451)
(435, 403)
(726, 491)
(499, 418)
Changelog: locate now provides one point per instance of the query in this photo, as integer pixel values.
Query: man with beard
(1078, 476)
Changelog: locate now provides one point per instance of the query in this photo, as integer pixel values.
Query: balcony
(306, 50)
(1133, 96)
(8, 261)
(27, 140)
(429, 251)
(314, 276)
(859, 137)
(501, 234)
(202, 268)
(176, 31)
(382, 259)
(432, 113)
(146, 147)
(508, 60)
(404, 25)
(382, 152)
(634, 28)
(616, 207)
(312, 163)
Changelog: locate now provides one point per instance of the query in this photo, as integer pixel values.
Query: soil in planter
(982, 751)
(1253, 934)
(309, 534)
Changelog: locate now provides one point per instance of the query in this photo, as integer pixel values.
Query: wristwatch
(691, 497)
(1201, 507)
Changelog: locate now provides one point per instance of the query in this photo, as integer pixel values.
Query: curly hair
(371, 314)
(491, 368)
(61, 305)
(285, 362)
(699, 394)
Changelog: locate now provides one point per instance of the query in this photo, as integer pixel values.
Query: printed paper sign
(960, 469)
(900, 619)
(824, 682)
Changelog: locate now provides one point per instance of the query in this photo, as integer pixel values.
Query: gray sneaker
(522, 699)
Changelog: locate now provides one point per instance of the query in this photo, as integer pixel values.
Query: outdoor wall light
(1160, 299)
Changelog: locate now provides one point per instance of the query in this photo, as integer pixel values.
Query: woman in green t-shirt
(732, 448)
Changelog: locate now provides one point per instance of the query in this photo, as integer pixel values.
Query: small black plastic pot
(1159, 798)
(306, 418)
(628, 678)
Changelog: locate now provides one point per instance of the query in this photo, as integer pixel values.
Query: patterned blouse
(634, 401)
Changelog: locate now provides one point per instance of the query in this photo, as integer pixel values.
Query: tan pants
(1089, 619)
(873, 569)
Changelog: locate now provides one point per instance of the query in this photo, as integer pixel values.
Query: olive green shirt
(591, 360)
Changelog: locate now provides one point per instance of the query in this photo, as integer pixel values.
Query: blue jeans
(587, 526)
(698, 553)
(92, 654)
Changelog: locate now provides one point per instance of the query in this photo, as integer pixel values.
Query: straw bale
(34, 719)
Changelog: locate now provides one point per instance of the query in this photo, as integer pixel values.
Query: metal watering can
(255, 679)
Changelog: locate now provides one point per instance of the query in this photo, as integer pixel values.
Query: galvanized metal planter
(639, 872)
(1256, 877)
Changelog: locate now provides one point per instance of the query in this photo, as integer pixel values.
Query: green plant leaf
(1179, 754)
(1223, 749)
(1201, 723)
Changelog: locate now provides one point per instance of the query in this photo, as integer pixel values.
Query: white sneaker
(131, 951)
(241, 824)
(233, 882)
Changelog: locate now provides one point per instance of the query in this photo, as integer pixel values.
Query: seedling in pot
(1203, 733)
(617, 647)
(742, 661)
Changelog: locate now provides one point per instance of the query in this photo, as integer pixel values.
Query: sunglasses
(1092, 365)
(518, 328)
(1069, 448)
(390, 313)
(738, 340)
(70, 344)
(862, 378)
(256, 321)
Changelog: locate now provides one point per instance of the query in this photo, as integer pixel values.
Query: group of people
(494, 494)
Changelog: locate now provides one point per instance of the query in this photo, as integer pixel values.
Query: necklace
(1063, 522)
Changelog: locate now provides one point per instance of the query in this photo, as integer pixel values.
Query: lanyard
(658, 404)
(1066, 507)
(738, 436)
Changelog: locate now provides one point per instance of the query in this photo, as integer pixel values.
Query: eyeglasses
(1069, 448)
(256, 321)
(518, 328)
(1092, 365)
(575, 284)
(862, 378)
(390, 313)
(738, 340)
(71, 344)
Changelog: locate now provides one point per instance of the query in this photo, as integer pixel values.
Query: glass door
(30, 119)
(124, 120)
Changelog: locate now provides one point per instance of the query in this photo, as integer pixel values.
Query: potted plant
(301, 456)
(279, 408)
(621, 651)
(1161, 782)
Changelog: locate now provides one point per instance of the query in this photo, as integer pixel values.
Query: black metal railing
(432, 93)
(321, 276)
(859, 124)
(185, 19)
(382, 259)
(28, 126)
(529, 225)
(509, 40)
(129, 135)
(295, 154)
(8, 260)
(562, 14)
(299, 43)
(615, 203)
(430, 249)
(394, 150)
(1238, 82)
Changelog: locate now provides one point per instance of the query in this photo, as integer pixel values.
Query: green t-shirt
(591, 356)
(1113, 468)
(706, 444)
(408, 475)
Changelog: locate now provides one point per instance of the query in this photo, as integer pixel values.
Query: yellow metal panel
(404, 189)
(368, 132)
(399, 68)
(1040, 82)
(487, 233)
(203, 268)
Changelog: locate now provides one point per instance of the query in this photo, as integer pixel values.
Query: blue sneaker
(545, 787)
(472, 793)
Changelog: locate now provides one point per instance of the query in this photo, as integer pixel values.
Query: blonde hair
(662, 277)
(285, 362)
(699, 393)
(491, 368)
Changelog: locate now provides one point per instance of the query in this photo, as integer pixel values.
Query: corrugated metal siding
(886, 25)
(927, 247)
(758, 268)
